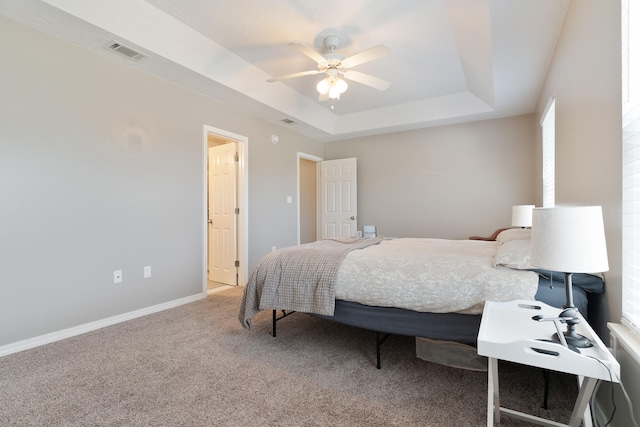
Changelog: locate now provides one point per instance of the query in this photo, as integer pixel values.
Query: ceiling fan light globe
(323, 86)
(334, 92)
(341, 86)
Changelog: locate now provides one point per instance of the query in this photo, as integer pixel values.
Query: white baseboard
(92, 326)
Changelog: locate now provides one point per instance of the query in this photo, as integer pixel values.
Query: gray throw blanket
(299, 278)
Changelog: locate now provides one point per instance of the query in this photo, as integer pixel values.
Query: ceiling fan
(336, 67)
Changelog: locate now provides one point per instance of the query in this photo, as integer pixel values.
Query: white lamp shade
(521, 215)
(569, 239)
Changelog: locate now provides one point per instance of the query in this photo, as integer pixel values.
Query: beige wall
(102, 168)
(585, 76)
(449, 181)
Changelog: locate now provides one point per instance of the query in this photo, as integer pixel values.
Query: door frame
(242, 185)
(300, 155)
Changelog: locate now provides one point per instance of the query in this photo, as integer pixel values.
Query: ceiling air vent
(126, 51)
(288, 121)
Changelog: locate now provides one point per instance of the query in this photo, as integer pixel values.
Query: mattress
(431, 275)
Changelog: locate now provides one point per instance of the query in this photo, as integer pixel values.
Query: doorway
(327, 198)
(308, 200)
(225, 235)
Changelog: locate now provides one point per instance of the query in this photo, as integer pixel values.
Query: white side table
(508, 332)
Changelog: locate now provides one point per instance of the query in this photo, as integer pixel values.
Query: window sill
(623, 337)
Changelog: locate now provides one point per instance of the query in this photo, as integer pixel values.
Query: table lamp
(521, 215)
(569, 239)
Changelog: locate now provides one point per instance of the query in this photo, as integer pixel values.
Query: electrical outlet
(117, 276)
(147, 272)
(273, 248)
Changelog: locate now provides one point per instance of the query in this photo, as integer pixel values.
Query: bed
(431, 288)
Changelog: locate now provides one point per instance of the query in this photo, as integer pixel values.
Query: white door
(222, 214)
(338, 181)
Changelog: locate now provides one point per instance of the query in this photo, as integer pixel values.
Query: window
(548, 124)
(631, 163)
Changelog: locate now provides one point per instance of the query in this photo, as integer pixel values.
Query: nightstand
(508, 332)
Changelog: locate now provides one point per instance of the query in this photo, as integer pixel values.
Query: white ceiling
(452, 60)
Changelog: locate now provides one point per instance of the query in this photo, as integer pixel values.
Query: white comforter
(431, 275)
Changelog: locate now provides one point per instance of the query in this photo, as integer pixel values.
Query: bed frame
(385, 321)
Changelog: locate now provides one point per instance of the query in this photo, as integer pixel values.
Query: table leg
(493, 398)
(582, 402)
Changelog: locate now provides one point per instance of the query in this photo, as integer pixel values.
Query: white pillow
(513, 234)
(514, 254)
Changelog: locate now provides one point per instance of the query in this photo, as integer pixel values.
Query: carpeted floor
(195, 365)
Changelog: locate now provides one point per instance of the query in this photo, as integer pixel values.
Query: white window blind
(631, 230)
(631, 164)
(548, 123)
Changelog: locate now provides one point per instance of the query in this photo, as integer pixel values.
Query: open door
(222, 214)
(339, 189)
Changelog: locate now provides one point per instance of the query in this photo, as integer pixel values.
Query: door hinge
(237, 211)
(237, 263)
(236, 157)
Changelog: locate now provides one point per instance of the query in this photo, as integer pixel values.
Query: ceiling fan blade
(294, 75)
(323, 97)
(366, 79)
(366, 56)
(309, 52)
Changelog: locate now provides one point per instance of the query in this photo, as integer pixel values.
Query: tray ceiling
(452, 60)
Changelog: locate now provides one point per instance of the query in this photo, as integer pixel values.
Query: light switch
(289, 199)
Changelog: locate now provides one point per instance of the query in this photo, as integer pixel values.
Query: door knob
(210, 222)
(353, 218)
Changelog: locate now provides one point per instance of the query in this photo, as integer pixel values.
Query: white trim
(300, 155)
(205, 201)
(548, 144)
(243, 233)
(551, 100)
(243, 201)
(92, 326)
(622, 336)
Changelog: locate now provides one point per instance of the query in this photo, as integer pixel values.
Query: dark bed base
(462, 328)
(384, 321)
